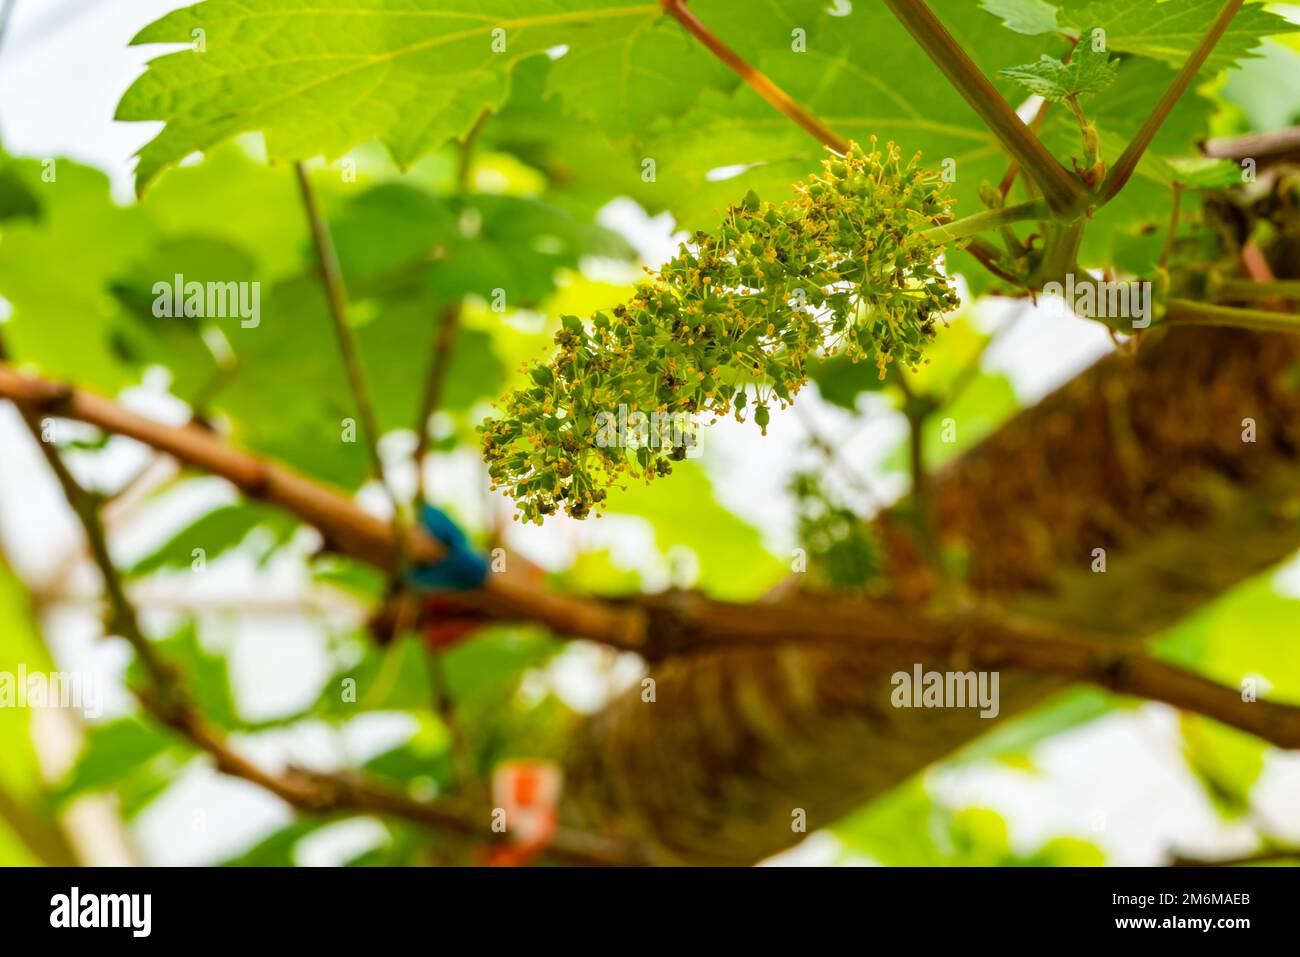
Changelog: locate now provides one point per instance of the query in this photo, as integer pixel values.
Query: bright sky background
(63, 68)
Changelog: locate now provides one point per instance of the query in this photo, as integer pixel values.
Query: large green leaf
(233, 197)
(1031, 17)
(277, 848)
(1246, 633)
(1265, 87)
(17, 198)
(22, 646)
(733, 142)
(580, 157)
(291, 363)
(216, 533)
(56, 281)
(1166, 30)
(207, 675)
(112, 753)
(322, 76)
(1170, 30)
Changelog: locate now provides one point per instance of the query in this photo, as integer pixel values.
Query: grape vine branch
(677, 623)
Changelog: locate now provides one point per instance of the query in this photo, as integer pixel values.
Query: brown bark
(1141, 455)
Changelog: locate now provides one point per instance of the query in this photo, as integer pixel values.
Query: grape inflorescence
(728, 326)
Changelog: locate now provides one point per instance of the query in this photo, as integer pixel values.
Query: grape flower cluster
(729, 325)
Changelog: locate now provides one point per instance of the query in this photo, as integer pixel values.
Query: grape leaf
(1243, 636)
(207, 676)
(113, 751)
(1089, 71)
(140, 338)
(1171, 30)
(1030, 17)
(1226, 762)
(233, 197)
(1265, 88)
(216, 533)
(17, 200)
(276, 849)
(322, 76)
(56, 282)
(840, 380)
(583, 164)
(1245, 633)
(1168, 30)
(730, 143)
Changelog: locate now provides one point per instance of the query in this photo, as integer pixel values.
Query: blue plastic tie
(463, 569)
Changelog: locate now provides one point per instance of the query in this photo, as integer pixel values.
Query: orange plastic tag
(527, 793)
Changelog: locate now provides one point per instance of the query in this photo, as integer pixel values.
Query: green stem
(1249, 289)
(1124, 166)
(990, 257)
(1060, 254)
(336, 295)
(986, 220)
(444, 340)
(1173, 225)
(1064, 193)
(758, 80)
(1093, 167)
(337, 298)
(1184, 312)
(124, 621)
